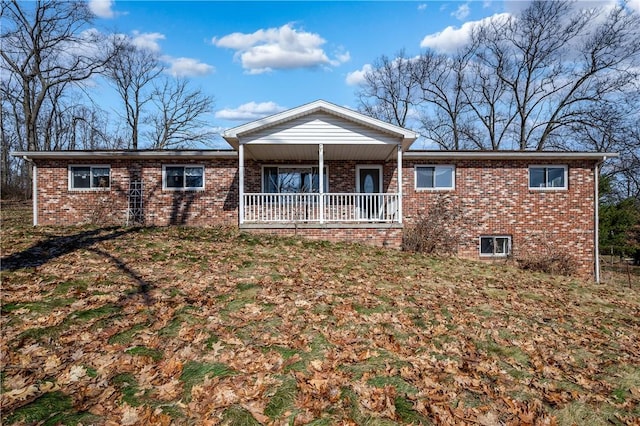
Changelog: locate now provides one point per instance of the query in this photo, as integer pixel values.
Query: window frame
(435, 167)
(183, 187)
(294, 166)
(71, 186)
(494, 254)
(565, 177)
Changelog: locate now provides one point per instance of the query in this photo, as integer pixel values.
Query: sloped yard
(207, 326)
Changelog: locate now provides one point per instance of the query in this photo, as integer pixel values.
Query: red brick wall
(375, 236)
(342, 174)
(495, 199)
(493, 196)
(216, 204)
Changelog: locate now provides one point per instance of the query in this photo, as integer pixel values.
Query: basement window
(187, 177)
(495, 246)
(547, 177)
(90, 177)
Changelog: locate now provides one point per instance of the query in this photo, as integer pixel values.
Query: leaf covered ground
(212, 326)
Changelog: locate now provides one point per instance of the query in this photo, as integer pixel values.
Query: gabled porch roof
(296, 133)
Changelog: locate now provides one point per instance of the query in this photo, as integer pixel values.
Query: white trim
(400, 183)
(565, 187)
(121, 155)
(321, 188)
(233, 135)
(435, 167)
(369, 166)
(34, 194)
(184, 188)
(291, 166)
(494, 255)
(91, 167)
(508, 155)
(241, 184)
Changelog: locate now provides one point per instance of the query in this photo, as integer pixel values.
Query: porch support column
(400, 183)
(321, 182)
(241, 183)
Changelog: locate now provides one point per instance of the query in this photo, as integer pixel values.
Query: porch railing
(337, 207)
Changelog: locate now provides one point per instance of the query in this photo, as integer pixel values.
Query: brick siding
(389, 236)
(495, 199)
(217, 204)
(493, 196)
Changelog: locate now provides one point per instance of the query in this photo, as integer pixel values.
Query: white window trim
(549, 188)
(92, 166)
(435, 166)
(495, 255)
(294, 166)
(369, 166)
(185, 188)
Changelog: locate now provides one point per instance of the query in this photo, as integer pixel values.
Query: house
(327, 172)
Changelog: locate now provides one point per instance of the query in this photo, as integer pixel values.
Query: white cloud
(452, 38)
(634, 4)
(101, 8)
(461, 12)
(486, 4)
(357, 77)
(147, 40)
(249, 111)
(422, 6)
(279, 48)
(188, 67)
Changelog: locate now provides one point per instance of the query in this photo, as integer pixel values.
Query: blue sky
(258, 58)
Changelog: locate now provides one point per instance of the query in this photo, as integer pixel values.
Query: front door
(369, 184)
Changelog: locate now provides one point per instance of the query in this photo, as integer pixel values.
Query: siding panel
(319, 128)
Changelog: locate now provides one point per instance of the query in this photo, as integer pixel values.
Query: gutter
(128, 155)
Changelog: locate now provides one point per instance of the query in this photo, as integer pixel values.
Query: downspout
(34, 189)
(596, 244)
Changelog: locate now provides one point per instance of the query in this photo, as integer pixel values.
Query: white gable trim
(234, 135)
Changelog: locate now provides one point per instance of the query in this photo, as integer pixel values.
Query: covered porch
(319, 165)
(319, 183)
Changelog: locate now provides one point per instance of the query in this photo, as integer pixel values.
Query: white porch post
(241, 183)
(399, 183)
(321, 182)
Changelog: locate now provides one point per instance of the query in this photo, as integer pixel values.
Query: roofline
(204, 154)
(125, 154)
(233, 135)
(510, 155)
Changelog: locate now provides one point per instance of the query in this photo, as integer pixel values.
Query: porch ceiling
(309, 152)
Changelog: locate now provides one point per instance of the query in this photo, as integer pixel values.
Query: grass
(185, 325)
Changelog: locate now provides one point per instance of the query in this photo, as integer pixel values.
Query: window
(89, 177)
(183, 177)
(293, 180)
(435, 177)
(546, 177)
(495, 246)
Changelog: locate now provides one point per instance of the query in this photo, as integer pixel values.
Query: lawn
(213, 326)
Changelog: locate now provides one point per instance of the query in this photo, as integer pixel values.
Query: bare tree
(524, 81)
(132, 71)
(47, 46)
(553, 64)
(179, 121)
(390, 89)
(440, 79)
